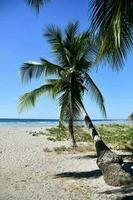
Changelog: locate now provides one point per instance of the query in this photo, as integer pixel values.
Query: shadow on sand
(79, 175)
(126, 192)
(93, 156)
(126, 198)
(86, 157)
(122, 190)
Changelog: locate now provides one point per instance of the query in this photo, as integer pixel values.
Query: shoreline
(12, 122)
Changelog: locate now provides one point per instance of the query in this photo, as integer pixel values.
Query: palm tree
(112, 23)
(75, 54)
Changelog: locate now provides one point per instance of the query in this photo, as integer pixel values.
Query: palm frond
(88, 47)
(50, 68)
(55, 87)
(69, 108)
(31, 70)
(37, 4)
(54, 37)
(95, 93)
(29, 99)
(70, 99)
(53, 34)
(112, 23)
(71, 31)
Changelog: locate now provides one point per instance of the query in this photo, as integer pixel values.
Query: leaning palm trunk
(109, 163)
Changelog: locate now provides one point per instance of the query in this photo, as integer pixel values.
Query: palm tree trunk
(109, 162)
(72, 132)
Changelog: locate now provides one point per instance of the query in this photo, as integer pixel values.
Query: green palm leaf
(36, 3)
(50, 68)
(29, 99)
(71, 31)
(54, 37)
(112, 23)
(95, 93)
(31, 70)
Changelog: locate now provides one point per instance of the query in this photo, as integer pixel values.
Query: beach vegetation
(81, 149)
(58, 134)
(118, 137)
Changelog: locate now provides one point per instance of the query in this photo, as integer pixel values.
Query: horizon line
(57, 119)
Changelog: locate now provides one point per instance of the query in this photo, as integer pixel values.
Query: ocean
(54, 122)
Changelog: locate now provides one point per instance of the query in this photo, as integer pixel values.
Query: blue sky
(21, 40)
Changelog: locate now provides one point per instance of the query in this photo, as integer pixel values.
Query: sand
(27, 172)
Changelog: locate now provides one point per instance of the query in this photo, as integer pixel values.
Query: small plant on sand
(61, 149)
(57, 134)
(47, 149)
(35, 133)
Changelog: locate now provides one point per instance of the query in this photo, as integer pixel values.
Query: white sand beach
(27, 172)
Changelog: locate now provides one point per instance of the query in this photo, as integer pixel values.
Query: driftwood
(109, 162)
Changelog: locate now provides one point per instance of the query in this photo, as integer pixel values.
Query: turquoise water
(54, 122)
